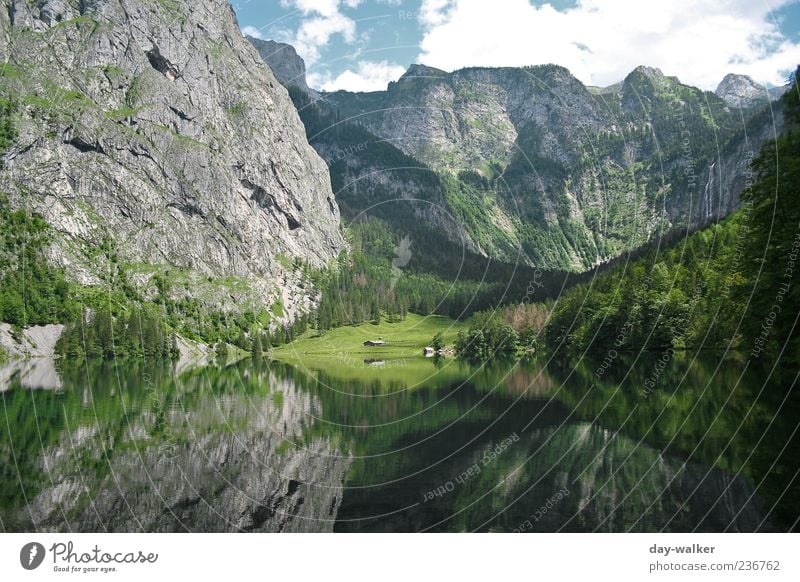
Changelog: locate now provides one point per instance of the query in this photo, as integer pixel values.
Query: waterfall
(705, 202)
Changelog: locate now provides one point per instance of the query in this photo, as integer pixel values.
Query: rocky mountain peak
(417, 70)
(287, 66)
(649, 72)
(741, 91)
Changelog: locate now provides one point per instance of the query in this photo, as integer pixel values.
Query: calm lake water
(406, 445)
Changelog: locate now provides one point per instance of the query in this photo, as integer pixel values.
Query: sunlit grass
(341, 352)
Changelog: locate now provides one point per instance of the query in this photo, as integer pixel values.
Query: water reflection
(137, 449)
(425, 445)
(36, 373)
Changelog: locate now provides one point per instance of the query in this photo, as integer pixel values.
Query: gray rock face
(287, 66)
(741, 91)
(577, 176)
(155, 128)
(469, 118)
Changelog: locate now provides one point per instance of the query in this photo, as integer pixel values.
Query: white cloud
(368, 76)
(322, 20)
(434, 12)
(322, 7)
(252, 31)
(600, 41)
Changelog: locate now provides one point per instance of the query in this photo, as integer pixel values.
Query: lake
(656, 443)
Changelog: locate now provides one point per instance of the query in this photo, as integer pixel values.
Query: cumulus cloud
(368, 76)
(252, 31)
(434, 12)
(601, 41)
(322, 20)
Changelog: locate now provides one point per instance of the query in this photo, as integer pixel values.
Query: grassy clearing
(341, 354)
(404, 339)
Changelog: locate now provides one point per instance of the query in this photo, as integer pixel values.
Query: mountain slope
(730, 286)
(151, 135)
(566, 176)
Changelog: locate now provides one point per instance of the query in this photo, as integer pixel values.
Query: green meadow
(404, 339)
(341, 352)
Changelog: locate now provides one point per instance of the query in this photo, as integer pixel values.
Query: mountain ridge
(577, 175)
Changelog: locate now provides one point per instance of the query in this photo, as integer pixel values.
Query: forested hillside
(734, 285)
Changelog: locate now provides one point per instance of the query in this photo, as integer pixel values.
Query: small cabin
(428, 352)
(378, 343)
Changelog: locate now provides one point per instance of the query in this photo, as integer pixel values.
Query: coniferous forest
(733, 285)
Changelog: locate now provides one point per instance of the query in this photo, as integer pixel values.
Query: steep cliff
(151, 135)
(288, 67)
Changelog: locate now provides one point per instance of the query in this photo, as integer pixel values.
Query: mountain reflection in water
(423, 446)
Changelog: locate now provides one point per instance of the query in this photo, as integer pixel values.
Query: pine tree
(222, 352)
(257, 348)
(242, 341)
(134, 332)
(103, 334)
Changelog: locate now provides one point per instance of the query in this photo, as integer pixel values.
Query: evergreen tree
(102, 324)
(221, 352)
(257, 348)
(134, 333)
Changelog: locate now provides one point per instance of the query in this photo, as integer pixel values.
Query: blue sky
(361, 45)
